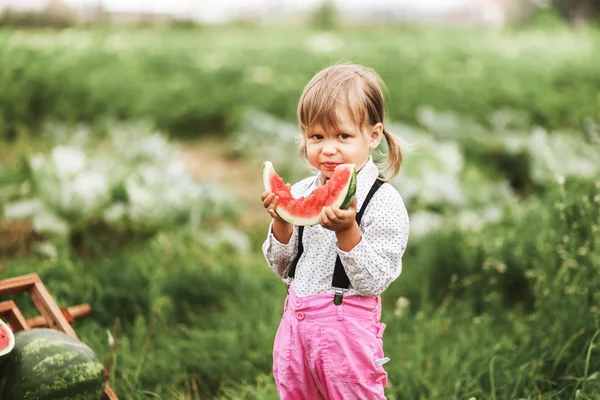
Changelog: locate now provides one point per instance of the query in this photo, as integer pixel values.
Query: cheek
(311, 149)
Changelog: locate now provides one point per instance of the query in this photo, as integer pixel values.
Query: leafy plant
(127, 188)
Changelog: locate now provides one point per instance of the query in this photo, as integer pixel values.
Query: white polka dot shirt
(372, 265)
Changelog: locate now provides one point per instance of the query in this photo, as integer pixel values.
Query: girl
(329, 342)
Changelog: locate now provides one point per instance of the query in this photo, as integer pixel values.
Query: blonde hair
(359, 89)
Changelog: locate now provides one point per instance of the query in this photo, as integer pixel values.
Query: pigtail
(394, 155)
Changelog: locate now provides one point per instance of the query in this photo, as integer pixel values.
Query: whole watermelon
(46, 364)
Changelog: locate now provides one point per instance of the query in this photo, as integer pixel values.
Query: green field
(200, 81)
(500, 292)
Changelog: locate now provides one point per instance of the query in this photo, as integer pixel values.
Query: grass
(192, 323)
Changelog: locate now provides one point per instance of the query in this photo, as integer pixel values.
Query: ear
(376, 135)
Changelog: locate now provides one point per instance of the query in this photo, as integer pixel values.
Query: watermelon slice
(7, 339)
(338, 191)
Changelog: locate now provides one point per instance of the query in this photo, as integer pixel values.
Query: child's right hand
(270, 200)
(282, 230)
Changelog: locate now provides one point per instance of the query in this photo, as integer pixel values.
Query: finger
(275, 202)
(353, 204)
(330, 214)
(344, 214)
(267, 200)
(268, 203)
(339, 214)
(323, 220)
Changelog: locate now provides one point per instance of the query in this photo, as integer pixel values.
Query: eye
(344, 136)
(316, 137)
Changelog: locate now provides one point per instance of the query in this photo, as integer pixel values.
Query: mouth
(329, 165)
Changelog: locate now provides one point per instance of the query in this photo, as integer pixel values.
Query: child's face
(325, 149)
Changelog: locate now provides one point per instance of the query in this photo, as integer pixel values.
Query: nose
(329, 148)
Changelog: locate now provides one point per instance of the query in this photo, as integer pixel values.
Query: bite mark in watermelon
(338, 191)
(7, 339)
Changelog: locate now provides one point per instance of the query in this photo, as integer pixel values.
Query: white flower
(37, 162)
(22, 209)
(139, 196)
(402, 305)
(46, 249)
(154, 146)
(68, 161)
(47, 222)
(323, 43)
(115, 214)
(423, 222)
(91, 189)
(111, 339)
(238, 240)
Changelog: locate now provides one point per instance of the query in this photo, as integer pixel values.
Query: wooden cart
(50, 314)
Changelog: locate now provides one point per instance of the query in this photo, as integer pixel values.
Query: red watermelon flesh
(7, 339)
(338, 191)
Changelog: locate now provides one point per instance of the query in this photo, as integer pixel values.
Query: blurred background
(132, 135)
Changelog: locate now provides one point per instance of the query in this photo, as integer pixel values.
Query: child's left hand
(338, 220)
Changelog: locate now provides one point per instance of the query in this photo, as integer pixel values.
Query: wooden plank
(6, 306)
(70, 314)
(109, 394)
(18, 320)
(50, 310)
(15, 319)
(18, 284)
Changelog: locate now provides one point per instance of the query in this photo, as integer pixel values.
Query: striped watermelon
(338, 191)
(46, 364)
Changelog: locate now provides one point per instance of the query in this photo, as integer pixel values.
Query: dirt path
(208, 161)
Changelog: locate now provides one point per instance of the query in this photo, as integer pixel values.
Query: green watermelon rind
(46, 364)
(343, 202)
(351, 192)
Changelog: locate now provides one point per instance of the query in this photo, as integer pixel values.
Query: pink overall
(324, 351)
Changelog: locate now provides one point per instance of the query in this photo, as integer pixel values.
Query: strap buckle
(338, 296)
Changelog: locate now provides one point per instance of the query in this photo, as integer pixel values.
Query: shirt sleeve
(376, 261)
(279, 256)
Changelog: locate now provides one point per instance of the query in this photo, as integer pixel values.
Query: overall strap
(340, 279)
(292, 270)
